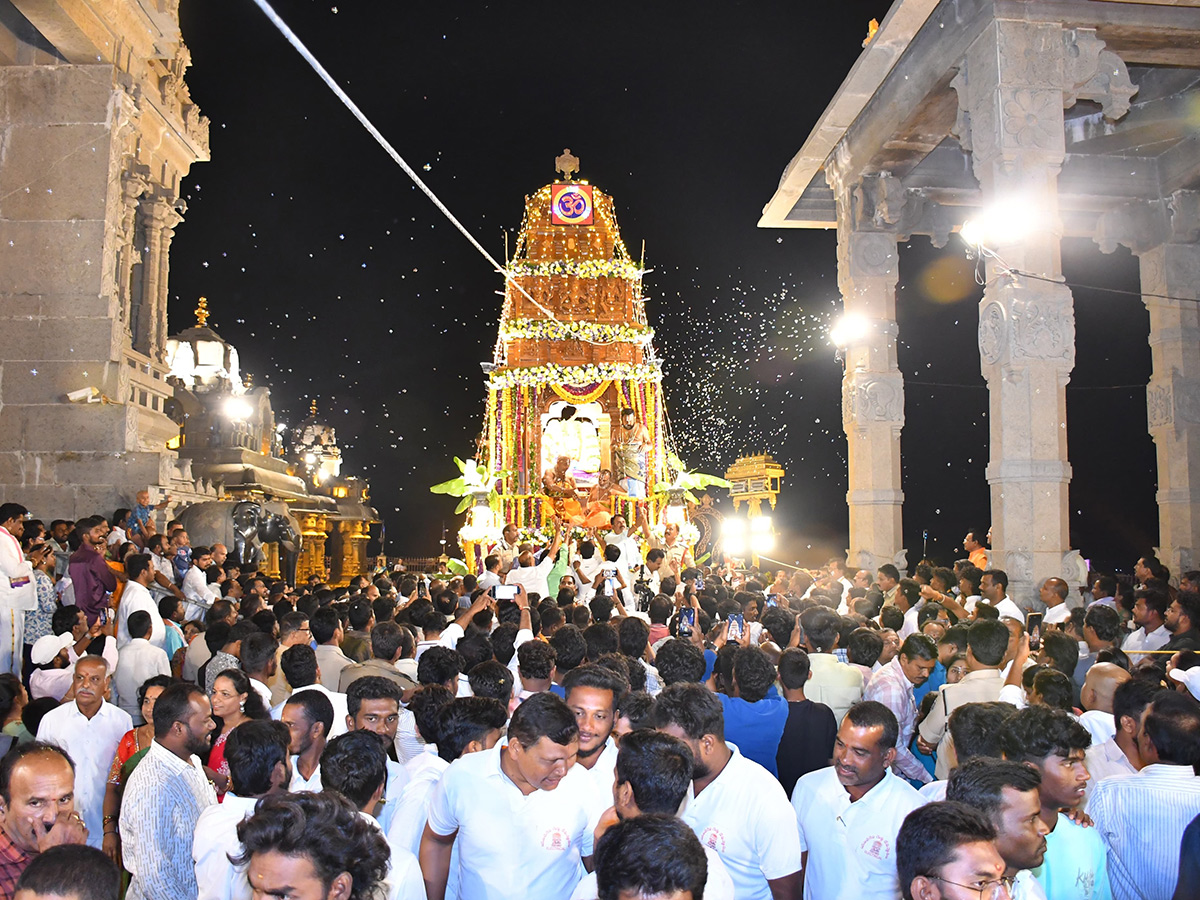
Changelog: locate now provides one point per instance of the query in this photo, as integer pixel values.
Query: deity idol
(630, 449)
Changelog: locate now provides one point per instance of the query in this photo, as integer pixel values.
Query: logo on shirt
(556, 840)
(713, 839)
(876, 846)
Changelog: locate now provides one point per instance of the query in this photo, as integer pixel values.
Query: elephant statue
(244, 526)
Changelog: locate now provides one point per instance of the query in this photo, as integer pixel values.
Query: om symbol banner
(571, 204)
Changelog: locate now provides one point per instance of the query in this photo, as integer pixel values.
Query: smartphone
(772, 599)
(737, 627)
(422, 588)
(1033, 625)
(700, 584)
(504, 591)
(687, 621)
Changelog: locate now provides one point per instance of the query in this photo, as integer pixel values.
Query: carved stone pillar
(160, 218)
(1165, 236)
(1012, 88)
(1173, 397)
(872, 386)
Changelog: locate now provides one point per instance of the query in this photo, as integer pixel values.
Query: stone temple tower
(97, 131)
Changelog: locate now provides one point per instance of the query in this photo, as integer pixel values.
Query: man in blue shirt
(756, 714)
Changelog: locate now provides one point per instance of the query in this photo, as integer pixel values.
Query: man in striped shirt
(1141, 818)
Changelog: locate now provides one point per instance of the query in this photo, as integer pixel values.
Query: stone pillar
(312, 545)
(1173, 395)
(160, 218)
(872, 391)
(1012, 88)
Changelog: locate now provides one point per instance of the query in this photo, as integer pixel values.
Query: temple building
(99, 131)
(574, 373)
(229, 435)
(97, 402)
(1033, 121)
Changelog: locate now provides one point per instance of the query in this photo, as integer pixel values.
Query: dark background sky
(338, 281)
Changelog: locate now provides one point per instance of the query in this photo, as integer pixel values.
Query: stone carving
(1093, 73)
(879, 200)
(1033, 118)
(961, 131)
(1029, 53)
(1039, 331)
(1074, 568)
(872, 255)
(1160, 410)
(1140, 225)
(993, 329)
(1018, 564)
(869, 398)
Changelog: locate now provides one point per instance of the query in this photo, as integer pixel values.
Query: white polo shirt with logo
(851, 846)
(511, 846)
(744, 815)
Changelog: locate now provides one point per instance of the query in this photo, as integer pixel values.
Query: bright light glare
(849, 328)
(733, 536)
(237, 409)
(1006, 222)
(762, 538)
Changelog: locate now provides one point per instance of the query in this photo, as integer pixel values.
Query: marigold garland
(550, 330)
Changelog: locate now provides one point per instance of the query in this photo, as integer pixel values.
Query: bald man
(1101, 683)
(1054, 595)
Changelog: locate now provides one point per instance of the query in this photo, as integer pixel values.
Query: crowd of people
(592, 719)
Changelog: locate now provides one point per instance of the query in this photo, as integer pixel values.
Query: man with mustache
(164, 798)
(89, 730)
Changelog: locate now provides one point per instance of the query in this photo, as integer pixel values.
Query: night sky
(339, 281)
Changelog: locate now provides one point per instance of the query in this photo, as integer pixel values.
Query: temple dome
(202, 359)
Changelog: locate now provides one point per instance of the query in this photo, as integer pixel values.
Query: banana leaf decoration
(471, 482)
(688, 481)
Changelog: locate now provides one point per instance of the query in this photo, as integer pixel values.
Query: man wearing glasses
(947, 851)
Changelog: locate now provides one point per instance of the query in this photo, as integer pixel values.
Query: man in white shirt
(1120, 755)
(1150, 615)
(737, 807)
(199, 593)
(355, 766)
(89, 729)
(1099, 686)
(533, 576)
(465, 725)
(1007, 793)
(299, 664)
(257, 755)
(909, 602)
(164, 798)
(516, 812)
(1141, 818)
(373, 704)
(138, 661)
(836, 684)
(1053, 594)
(993, 587)
(850, 813)
(491, 573)
(18, 594)
(308, 717)
(592, 695)
(631, 552)
(137, 597)
(653, 776)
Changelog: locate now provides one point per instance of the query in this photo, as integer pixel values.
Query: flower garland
(590, 374)
(583, 268)
(688, 533)
(550, 330)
